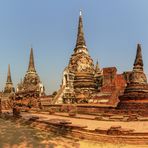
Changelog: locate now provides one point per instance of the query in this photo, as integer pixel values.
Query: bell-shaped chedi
(79, 76)
(136, 92)
(80, 61)
(81, 64)
(31, 85)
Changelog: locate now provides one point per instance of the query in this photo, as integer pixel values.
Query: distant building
(31, 86)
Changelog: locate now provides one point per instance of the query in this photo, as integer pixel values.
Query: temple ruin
(31, 86)
(135, 96)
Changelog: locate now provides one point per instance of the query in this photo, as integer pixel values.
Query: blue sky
(112, 30)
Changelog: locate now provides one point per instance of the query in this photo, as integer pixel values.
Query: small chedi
(9, 89)
(135, 96)
(31, 86)
(80, 78)
(9, 92)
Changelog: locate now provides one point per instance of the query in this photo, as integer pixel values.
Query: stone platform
(134, 132)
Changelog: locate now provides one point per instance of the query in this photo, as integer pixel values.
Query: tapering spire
(80, 43)
(21, 81)
(9, 80)
(138, 64)
(31, 66)
(97, 68)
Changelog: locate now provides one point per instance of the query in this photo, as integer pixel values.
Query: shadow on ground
(15, 135)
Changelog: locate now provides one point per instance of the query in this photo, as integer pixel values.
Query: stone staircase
(58, 98)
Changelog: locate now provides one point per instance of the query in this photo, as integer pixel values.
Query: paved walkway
(138, 126)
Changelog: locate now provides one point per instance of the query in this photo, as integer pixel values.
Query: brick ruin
(31, 84)
(31, 88)
(135, 96)
(9, 88)
(8, 93)
(84, 83)
(112, 86)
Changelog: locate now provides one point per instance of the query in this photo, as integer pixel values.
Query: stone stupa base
(133, 100)
(133, 105)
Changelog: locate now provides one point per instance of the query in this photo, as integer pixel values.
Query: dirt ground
(15, 135)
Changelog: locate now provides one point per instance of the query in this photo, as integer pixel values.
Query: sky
(112, 29)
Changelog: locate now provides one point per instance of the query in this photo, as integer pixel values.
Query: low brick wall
(91, 109)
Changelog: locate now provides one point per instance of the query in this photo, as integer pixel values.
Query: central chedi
(79, 81)
(135, 96)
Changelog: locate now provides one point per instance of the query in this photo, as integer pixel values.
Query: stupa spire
(31, 66)
(138, 64)
(9, 85)
(80, 43)
(97, 68)
(9, 80)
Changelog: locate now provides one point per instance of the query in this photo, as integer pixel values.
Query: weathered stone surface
(16, 111)
(31, 86)
(80, 77)
(135, 96)
(118, 130)
(51, 111)
(81, 65)
(7, 104)
(113, 85)
(9, 89)
(34, 118)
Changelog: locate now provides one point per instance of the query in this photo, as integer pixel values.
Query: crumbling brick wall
(113, 83)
